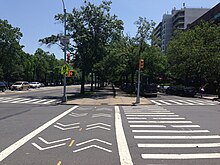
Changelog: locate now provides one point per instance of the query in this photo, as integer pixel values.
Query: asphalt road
(178, 132)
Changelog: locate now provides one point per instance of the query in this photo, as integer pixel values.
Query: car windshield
(18, 84)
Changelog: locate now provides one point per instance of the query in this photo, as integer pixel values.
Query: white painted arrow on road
(91, 146)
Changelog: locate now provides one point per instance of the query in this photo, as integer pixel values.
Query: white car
(34, 84)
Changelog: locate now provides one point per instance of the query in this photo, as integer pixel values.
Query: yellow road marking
(71, 143)
(59, 163)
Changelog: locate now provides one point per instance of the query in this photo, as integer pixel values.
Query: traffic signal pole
(64, 98)
(138, 87)
(140, 66)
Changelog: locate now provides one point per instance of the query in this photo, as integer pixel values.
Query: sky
(35, 18)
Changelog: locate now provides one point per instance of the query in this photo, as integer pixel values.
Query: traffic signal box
(68, 58)
(141, 64)
(70, 73)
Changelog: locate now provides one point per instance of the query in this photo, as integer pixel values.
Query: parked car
(20, 85)
(3, 86)
(181, 91)
(148, 90)
(34, 84)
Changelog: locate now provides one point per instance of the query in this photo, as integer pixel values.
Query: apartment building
(178, 19)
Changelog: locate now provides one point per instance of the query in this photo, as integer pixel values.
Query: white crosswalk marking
(183, 102)
(169, 136)
(27, 100)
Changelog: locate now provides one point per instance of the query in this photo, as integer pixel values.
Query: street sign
(64, 69)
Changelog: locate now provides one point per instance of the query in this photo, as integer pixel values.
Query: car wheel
(3, 90)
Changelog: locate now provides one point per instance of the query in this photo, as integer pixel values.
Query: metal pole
(64, 99)
(138, 87)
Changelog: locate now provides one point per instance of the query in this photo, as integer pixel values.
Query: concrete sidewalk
(104, 96)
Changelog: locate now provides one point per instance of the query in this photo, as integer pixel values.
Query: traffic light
(68, 58)
(141, 63)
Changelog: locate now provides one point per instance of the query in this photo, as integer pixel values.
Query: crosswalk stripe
(184, 126)
(175, 102)
(26, 100)
(160, 145)
(181, 156)
(160, 122)
(50, 101)
(179, 137)
(154, 115)
(147, 126)
(170, 131)
(182, 102)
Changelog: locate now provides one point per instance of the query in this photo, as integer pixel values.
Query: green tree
(193, 55)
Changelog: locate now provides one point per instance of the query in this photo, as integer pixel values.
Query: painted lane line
(47, 148)
(71, 143)
(92, 140)
(178, 137)
(107, 125)
(147, 126)
(159, 121)
(200, 145)
(124, 153)
(185, 126)
(26, 138)
(181, 156)
(91, 146)
(67, 125)
(56, 141)
(152, 115)
(59, 163)
(172, 131)
(95, 127)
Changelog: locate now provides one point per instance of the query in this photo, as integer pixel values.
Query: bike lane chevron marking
(101, 115)
(91, 146)
(92, 140)
(56, 141)
(78, 115)
(107, 125)
(52, 142)
(64, 129)
(5, 153)
(95, 127)
(47, 148)
(67, 125)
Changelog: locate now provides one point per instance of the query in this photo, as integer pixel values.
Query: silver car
(20, 85)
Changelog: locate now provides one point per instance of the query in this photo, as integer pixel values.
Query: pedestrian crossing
(184, 102)
(169, 137)
(16, 100)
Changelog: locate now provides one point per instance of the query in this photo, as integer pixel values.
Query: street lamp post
(64, 98)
